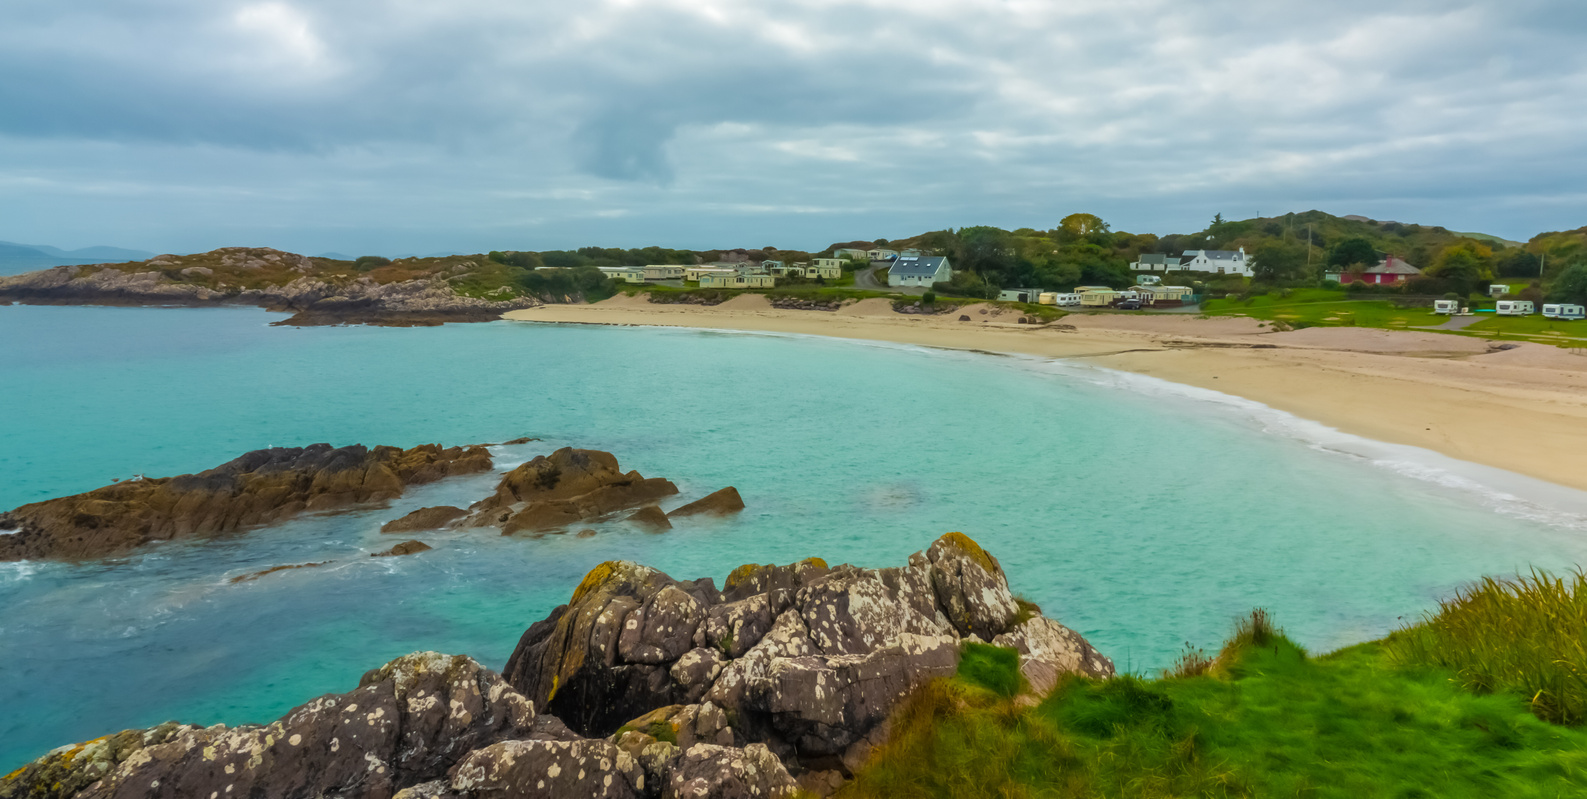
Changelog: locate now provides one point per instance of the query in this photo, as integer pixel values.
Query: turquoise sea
(1142, 515)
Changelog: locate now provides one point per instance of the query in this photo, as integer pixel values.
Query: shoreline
(1522, 410)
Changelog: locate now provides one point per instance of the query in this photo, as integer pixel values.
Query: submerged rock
(250, 577)
(651, 517)
(424, 519)
(726, 500)
(404, 548)
(260, 487)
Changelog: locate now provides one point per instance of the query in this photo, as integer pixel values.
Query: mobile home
(1019, 295)
(1564, 311)
(1446, 307)
(1514, 308)
(1094, 297)
(625, 274)
(734, 281)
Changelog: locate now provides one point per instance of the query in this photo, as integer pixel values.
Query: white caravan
(1514, 308)
(1446, 307)
(1565, 311)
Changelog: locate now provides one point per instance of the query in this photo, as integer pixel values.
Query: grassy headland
(1455, 706)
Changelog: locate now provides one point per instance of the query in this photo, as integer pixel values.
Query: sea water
(1140, 514)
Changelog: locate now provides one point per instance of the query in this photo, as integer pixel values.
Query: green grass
(1327, 308)
(1264, 719)
(1526, 636)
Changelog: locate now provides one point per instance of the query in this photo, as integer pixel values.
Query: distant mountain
(18, 258)
(335, 256)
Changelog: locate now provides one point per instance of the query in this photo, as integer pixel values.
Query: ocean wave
(1505, 492)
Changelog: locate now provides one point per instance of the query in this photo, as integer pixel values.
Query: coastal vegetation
(1430, 711)
(1294, 309)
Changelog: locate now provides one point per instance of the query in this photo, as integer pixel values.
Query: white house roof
(1215, 255)
(917, 265)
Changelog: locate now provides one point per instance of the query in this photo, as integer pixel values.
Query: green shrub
(364, 263)
(929, 298)
(1527, 636)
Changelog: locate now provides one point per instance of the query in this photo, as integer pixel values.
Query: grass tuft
(994, 668)
(1526, 636)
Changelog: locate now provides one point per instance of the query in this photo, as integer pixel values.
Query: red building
(1390, 271)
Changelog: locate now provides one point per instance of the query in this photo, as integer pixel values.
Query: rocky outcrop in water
(568, 486)
(260, 487)
(718, 503)
(645, 686)
(315, 290)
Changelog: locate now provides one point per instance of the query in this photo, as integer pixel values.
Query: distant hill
(18, 258)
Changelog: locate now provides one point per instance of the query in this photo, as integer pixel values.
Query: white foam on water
(9, 532)
(1501, 491)
(1498, 490)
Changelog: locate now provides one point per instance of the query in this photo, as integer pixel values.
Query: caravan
(1514, 308)
(1446, 307)
(1564, 311)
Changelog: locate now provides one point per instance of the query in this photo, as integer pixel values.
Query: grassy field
(1325, 308)
(1263, 718)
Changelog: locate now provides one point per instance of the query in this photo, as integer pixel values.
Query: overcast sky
(393, 126)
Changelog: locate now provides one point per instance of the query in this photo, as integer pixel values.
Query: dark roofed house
(1156, 262)
(1388, 271)
(911, 271)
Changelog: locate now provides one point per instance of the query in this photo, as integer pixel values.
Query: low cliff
(260, 487)
(420, 291)
(641, 686)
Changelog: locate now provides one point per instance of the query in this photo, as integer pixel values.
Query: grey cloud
(357, 116)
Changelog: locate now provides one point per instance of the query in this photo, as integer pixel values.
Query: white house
(1223, 262)
(912, 271)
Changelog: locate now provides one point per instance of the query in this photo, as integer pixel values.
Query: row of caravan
(1517, 308)
(1103, 296)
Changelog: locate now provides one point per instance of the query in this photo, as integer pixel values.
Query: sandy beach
(1523, 410)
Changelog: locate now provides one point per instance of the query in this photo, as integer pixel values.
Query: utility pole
(1308, 245)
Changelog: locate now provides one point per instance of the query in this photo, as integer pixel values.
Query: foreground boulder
(808, 660)
(568, 486)
(408, 722)
(647, 687)
(260, 487)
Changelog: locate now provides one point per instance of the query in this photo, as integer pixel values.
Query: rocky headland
(261, 487)
(318, 291)
(640, 686)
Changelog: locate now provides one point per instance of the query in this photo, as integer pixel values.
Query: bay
(1143, 517)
